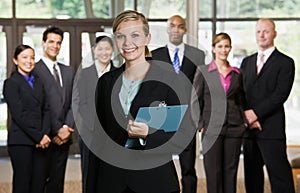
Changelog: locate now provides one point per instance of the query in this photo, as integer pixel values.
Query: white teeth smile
(129, 50)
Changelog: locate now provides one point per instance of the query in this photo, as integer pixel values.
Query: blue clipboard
(167, 118)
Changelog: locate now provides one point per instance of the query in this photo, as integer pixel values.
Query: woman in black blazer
(222, 123)
(133, 163)
(30, 126)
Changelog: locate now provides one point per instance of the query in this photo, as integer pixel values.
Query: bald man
(189, 58)
(268, 78)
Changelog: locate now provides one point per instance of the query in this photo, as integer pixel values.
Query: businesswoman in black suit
(30, 126)
(219, 90)
(119, 95)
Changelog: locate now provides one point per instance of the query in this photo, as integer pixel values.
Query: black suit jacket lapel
(269, 62)
(41, 68)
(166, 56)
(115, 85)
(147, 87)
(24, 84)
(234, 82)
(64, 83)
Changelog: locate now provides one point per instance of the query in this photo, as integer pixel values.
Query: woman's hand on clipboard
(137, 129)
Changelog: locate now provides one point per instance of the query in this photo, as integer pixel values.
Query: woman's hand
(44, 143)
(137, 129)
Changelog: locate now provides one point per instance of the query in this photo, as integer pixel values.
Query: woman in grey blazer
(222, 123)
(30, 126)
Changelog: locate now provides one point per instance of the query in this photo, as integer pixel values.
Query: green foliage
(101, 8)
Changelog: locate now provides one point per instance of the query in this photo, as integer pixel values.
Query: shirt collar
(266, 52)
(29, 78)
(49, 63)
(213, 66)
(172, 47)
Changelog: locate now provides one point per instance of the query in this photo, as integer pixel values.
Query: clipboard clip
(162, 104)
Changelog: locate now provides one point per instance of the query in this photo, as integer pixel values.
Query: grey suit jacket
(83, 103)
(60, 104)
(217, 107)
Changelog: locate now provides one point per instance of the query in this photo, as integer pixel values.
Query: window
(6, 9)
(3, 106)
(161, 8)
(258, 8)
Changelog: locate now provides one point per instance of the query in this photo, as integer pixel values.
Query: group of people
(231, 107)
(39, 98)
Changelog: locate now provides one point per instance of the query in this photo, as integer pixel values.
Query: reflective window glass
(3, 105)
(205, 8)
(249, 8)
(205, 39)
(162, 8)
(6, 9)
(63, 9)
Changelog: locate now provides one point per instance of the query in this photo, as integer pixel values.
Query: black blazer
(267, 92)
(193, 57)
(112, 118)
(60, 105)
(29, 110)
(217, 107)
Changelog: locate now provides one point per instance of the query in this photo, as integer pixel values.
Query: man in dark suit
(189, 58)
(268, 79)
(58, 81)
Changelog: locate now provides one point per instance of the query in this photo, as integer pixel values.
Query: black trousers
(188, 172)
(128, 190)
(29, 168)
(58, 156)
(90, 169)
(272, 154)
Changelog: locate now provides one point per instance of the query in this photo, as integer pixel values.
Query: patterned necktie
(56, 75)
(260, 62)
(176, 61)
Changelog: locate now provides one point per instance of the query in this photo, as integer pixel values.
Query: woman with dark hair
(85, 84)
(30, 126)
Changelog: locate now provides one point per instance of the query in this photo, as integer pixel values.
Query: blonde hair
(131, 15)
(219, 37)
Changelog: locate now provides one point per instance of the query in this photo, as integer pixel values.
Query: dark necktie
(57, 78)
(176, 61)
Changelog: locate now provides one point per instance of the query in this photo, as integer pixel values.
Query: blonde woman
(119, 95)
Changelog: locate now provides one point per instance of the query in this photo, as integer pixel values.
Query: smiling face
(25, 61)
(52, 46)
(222, 49)
(265, 34)
(131, 40)
(103, 52)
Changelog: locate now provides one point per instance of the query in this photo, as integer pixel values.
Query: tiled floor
(73, 175)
